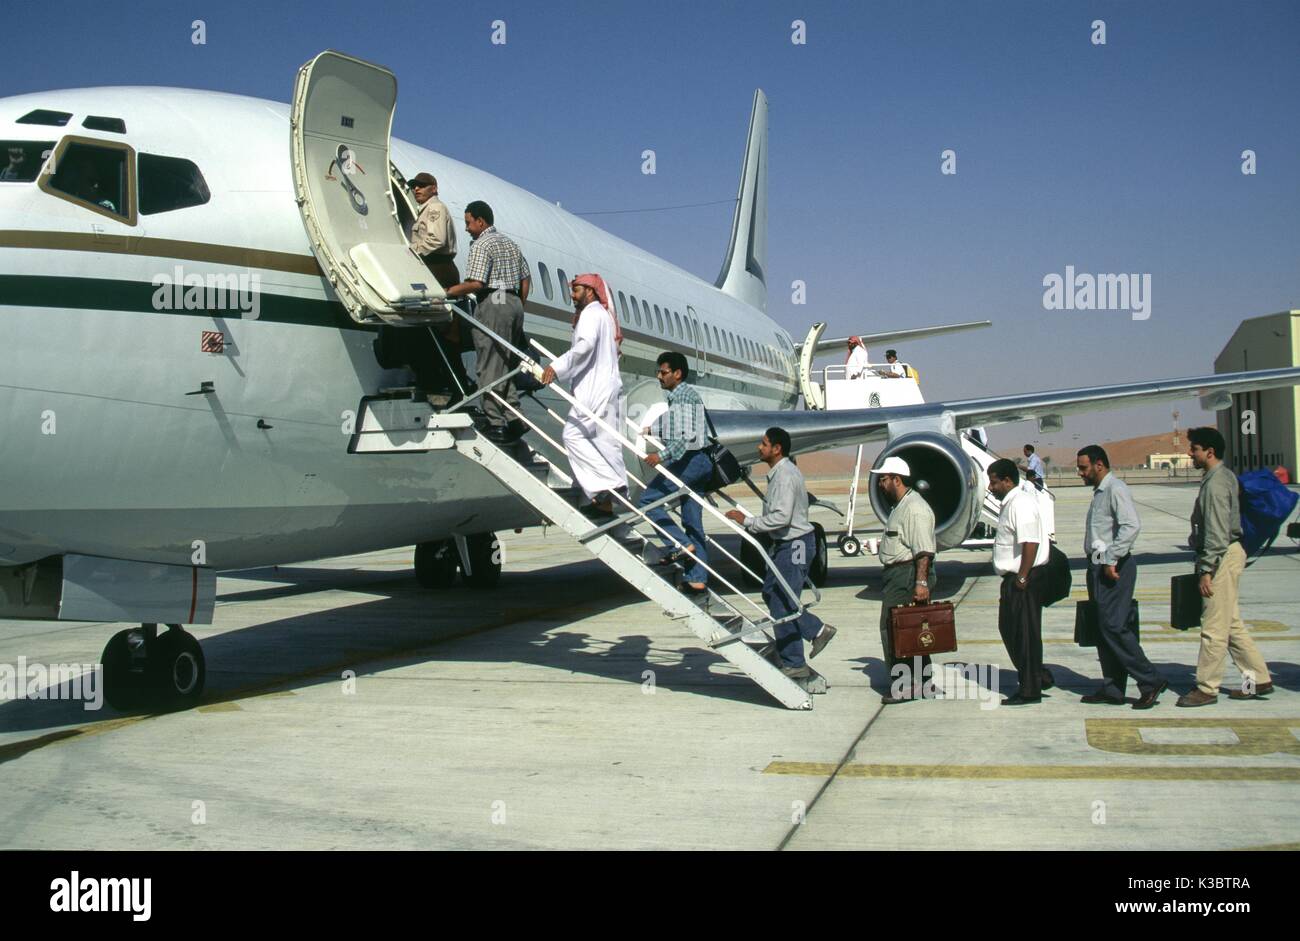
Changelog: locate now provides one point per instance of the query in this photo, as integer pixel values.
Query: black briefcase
(1087, 625)
(1185, 602)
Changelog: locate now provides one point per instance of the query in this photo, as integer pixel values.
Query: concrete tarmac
(348, 708)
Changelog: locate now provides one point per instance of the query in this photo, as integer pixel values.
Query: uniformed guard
(907, 553)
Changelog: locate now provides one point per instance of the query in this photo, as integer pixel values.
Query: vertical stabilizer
(743, 274)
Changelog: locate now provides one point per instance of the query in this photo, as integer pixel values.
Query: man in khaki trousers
(1220, 560)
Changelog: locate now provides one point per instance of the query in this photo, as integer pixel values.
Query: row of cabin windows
(670, 323)
(101, 176)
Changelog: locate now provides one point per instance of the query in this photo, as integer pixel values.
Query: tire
(850, 546)
(484, 551)
(176, 669)
(820, 567)
(125, 682)
(436, 564)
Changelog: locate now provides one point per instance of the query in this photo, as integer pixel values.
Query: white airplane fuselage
(105, 454)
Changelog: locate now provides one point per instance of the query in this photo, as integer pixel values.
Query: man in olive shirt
(1109, 533)
(1220, 560)
(785, 520)
(907, 553)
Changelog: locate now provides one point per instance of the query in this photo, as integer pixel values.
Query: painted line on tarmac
(1032, 772)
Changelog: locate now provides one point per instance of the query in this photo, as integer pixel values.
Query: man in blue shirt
(682, 431)
(1110, 532)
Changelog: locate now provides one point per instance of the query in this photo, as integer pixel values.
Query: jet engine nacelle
(947, 479)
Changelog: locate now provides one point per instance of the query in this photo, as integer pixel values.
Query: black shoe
(498, 434)
(1101, 699)
(892, 700)
(1018, 700)
(517, 428)
(1148, 699)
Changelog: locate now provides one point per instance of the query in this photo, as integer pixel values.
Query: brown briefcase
(922, 629)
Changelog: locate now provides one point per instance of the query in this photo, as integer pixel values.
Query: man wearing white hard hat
(907, 552)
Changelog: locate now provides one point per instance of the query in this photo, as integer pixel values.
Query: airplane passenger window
(168, 183)
(622, 306)
(565, 294)
(645, 309)
(717, 340)
(24, 159)
(659, 319)
(636, 311)
(95, 176)
(544, 275)
(677, 320)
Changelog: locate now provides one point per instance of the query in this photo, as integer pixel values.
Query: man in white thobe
(591, 367)
(856, 365)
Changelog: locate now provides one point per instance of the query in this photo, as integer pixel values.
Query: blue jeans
(693, 469)
(791, 557)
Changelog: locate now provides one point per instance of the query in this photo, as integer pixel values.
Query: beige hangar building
(1268, 342)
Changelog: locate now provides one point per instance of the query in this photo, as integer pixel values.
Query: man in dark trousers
(1110, 531)
(785, 520)
(1020, 553)
(907, 553)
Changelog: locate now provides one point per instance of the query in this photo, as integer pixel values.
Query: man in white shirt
(591, 364)
(1034, 465)
(893, 368)
(855, 367)
(1020, 553)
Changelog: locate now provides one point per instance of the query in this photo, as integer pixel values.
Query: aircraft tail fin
(743, 274)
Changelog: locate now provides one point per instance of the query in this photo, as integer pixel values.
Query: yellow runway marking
(1254, 736)
(1036, 772)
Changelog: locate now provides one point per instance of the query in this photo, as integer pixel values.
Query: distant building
(1169, 460)
(1269, 342)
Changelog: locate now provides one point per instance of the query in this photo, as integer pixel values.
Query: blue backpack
(1265, 506)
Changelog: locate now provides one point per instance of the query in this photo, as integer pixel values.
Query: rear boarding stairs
(730, 622)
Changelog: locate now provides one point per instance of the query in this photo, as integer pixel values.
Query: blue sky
(1124, 157)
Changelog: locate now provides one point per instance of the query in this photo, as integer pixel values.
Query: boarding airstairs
(992, 507)
(729, 622)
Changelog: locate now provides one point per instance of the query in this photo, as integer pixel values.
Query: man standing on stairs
(682, 431)
(497, 273)
(591, 365)
(785, 520)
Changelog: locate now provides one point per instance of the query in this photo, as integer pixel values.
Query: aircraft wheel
(176, 668)
(125, 680)
(485, 560)
(436, 564)
(821, 558)
(850, 546)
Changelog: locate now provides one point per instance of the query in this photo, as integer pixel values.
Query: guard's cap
(893, 353)
(893, 465)
(422, 179)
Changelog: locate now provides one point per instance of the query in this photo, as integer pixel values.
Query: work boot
(821, 640)
(1196, 698)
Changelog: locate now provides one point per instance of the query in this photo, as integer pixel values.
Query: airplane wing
(894, 336)
(816, 430)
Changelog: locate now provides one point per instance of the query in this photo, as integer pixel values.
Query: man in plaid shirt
(497, 273)
(682, 430)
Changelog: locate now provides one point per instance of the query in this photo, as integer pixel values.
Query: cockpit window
(44, 116)
(23, 159)
(168, 183)
(94, 174)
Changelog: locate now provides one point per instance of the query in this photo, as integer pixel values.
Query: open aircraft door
(814, 396)
(341, 120)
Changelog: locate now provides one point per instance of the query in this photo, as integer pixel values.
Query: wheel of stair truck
(484, 560)
(176, 669)
(124, 677)
(821, 562)
(849, 546)
(436, 564)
